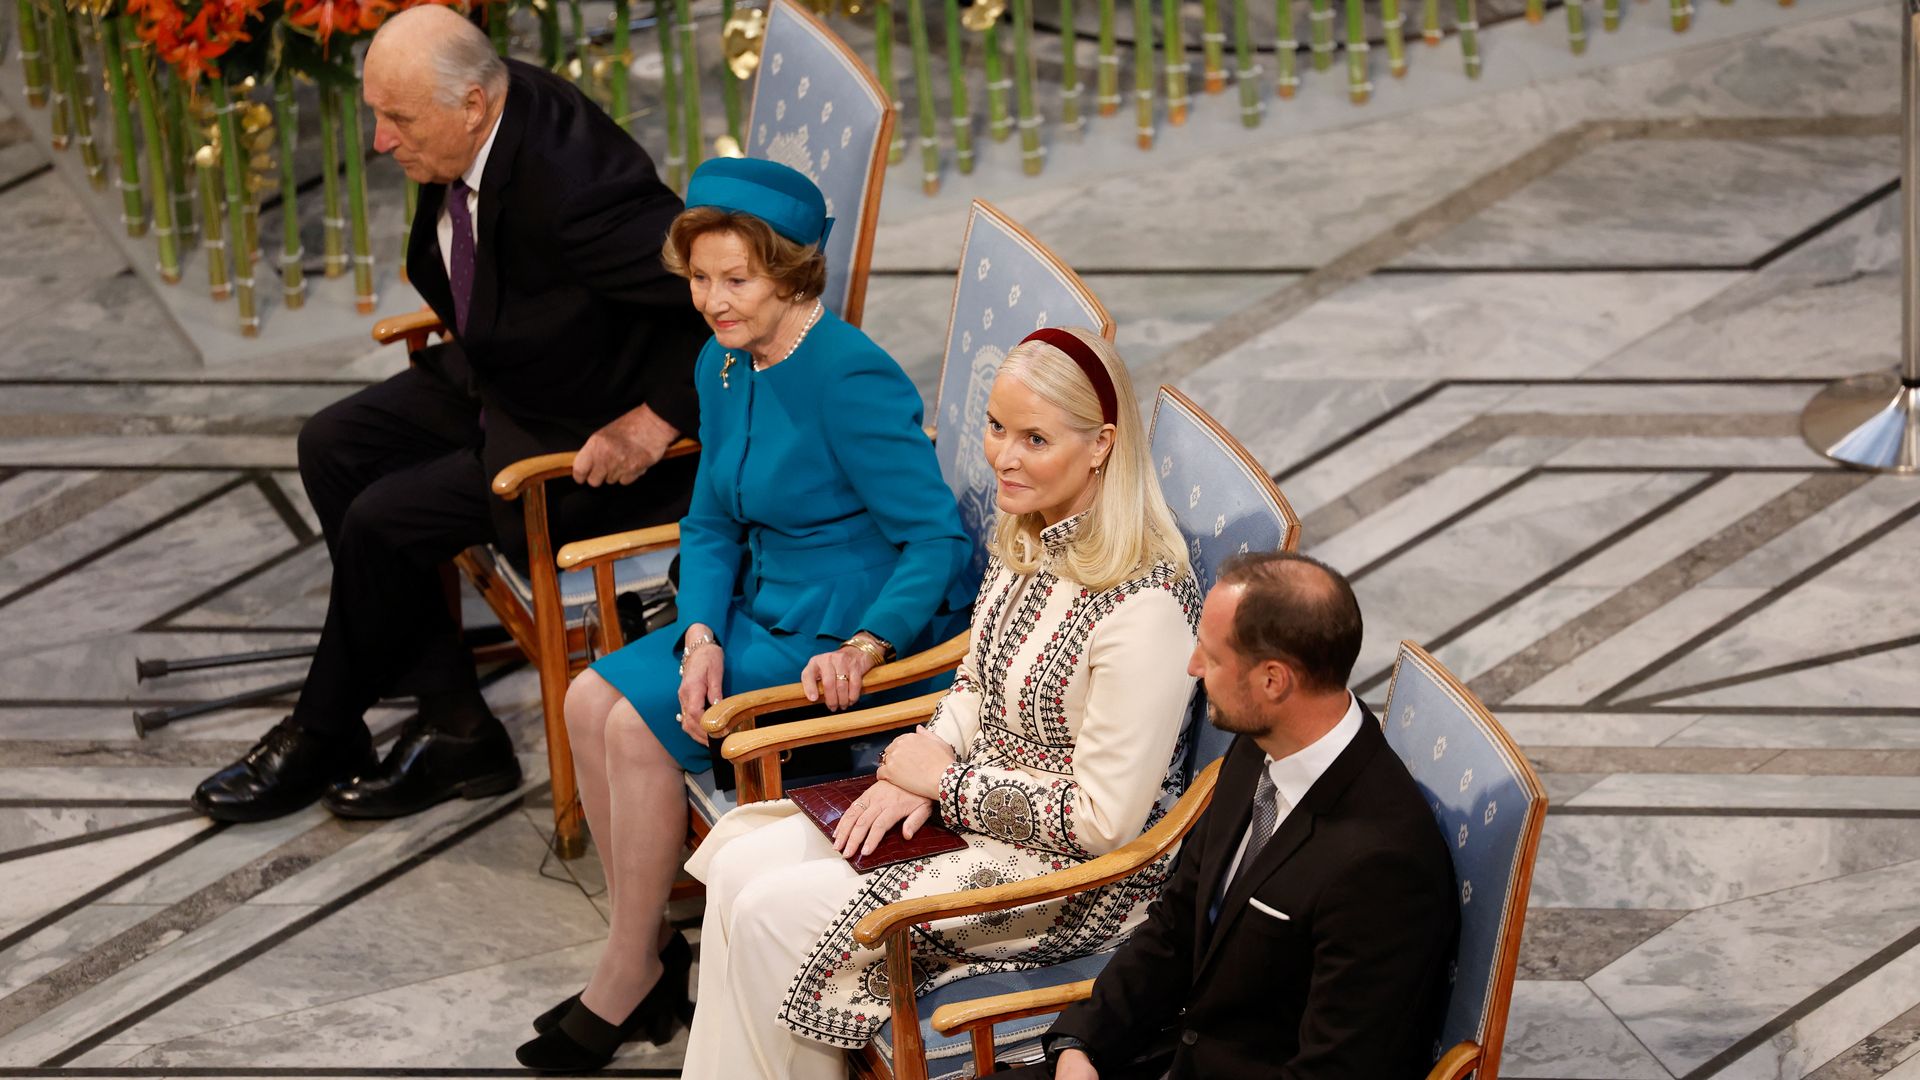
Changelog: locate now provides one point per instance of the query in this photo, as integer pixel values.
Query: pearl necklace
(812, 317)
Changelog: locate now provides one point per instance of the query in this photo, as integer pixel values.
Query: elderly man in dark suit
(1306, 931)
(537, 241)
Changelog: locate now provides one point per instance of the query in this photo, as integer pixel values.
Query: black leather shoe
(676, 960)
(580, 1041)
(426, 768)
(286, 770)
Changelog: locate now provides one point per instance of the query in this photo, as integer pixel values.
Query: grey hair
(464, 58)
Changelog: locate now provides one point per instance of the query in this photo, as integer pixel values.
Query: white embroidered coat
(1067, 720)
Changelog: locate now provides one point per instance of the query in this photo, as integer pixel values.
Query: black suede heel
(552, 1016)
(575, 1039)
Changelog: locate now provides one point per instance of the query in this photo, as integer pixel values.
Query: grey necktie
(1266, 815)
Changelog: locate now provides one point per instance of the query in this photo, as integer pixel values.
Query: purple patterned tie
(460, 259)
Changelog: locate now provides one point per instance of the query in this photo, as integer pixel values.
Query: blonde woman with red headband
(1056, 744)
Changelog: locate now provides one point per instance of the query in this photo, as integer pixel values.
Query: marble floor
(1569, 319)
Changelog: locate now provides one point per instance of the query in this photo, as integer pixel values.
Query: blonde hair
(1128, 527)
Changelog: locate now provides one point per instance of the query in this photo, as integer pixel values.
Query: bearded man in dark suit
(1306, 931)
(536, 241)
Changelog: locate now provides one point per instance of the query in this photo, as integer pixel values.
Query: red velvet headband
(1089, 362)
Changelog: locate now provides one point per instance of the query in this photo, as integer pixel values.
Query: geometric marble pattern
(1552, 438)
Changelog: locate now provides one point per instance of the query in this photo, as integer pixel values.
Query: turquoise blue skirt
(647, 674)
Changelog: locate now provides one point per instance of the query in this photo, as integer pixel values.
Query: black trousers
(399, 475)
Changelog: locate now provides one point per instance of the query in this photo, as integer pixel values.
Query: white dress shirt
(472, 176)
(1294, 774)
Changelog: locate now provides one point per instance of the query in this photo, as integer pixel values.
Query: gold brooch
(723, 372)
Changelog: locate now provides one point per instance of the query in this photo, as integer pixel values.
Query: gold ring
(842, 678)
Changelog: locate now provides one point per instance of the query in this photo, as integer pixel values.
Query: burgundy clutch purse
(825, 803)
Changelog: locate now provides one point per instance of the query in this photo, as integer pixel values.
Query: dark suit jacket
(1349, 987)
(573, 320)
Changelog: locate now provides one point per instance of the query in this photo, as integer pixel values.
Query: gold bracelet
(873, 651)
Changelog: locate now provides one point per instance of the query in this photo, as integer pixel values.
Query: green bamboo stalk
(1032, 157)
(293, 281)
(1467, 23)
(578, 20)
(66, 107)
(133, 210)
(1213, 46)
(180, 143)
(333, 222)
(1576, 26)
(364, 300)
(232, 162)
(1682, 15)
(923, 95)
(156, 153)
(1359, 87)
(670, 93)
(1143, 72)
(1107, 90)
(207, 165)
(1320, 17)
(1430, 23)
(690, 85)
(1394, 22)
(999, 120)
(1610, 15)
(85, 105)
(1286, 50)
(620, 90)
(890, 79)
(730, 86)
(957, 90)
(1176, 55)
(499, 26)
(1536, 10)
(33, 61)
(1246, 74)
(1070, 88)
(548, 18)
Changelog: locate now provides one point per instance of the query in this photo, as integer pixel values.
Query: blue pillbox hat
(779, 195)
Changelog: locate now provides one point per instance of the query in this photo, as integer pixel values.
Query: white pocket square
(1265, 910)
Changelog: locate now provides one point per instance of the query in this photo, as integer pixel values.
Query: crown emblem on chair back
(1225, 504)
(1008, 286)
(817, 108)
(1489, 806)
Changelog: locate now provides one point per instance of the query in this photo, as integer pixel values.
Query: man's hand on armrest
(624, 449)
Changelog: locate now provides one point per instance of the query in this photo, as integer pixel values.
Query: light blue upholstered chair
(1490, 806)
(817, 108)
(1007, 284)
(1224, 503)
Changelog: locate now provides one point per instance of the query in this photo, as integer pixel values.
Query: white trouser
(770, 894)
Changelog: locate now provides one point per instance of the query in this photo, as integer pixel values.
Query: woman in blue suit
(821, 538)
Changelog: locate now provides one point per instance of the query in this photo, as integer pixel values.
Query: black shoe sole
(484, 787)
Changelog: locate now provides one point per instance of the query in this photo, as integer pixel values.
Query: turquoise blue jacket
(838, 521)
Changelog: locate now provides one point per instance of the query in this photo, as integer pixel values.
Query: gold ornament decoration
(982, 16)
(744, 36)
(727, 146)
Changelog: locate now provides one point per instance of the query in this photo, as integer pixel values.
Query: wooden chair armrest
(1129, 858)
(733, 713)
(760, 742)
(600, 549)
(512, 480)
(981, 1012)
(1457, 1063)
(413, 325)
